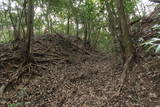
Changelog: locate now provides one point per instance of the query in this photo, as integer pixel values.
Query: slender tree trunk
(39, 30)
(97, 37)
(89, 32)
(24, 19)
(20, 24)
(112, 26)
(126, 37)
(48, 21)
(29, 27)
(85, 34)
(68, 23)
(77, 27)
(126, 43)
(51, 26)
(15, 31)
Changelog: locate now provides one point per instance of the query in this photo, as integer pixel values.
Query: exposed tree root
(13, 81)
(56, 50)
(22, 70)
(125, 74)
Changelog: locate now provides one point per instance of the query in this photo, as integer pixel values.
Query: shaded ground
(64, 74)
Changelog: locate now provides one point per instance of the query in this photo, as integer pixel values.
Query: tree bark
(15, 31)
(112, 26)
(68, 23)
(29, 27)
(85, 33)
(125, 32)
(48, 21)
(127, 44)
(77, 27)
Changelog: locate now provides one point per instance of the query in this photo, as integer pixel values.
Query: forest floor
(64, 74)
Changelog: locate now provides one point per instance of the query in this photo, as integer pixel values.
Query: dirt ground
(64, 74)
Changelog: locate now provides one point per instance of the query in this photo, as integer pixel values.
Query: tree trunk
(85, 34)
(97, 37)
(51, 26)
(29, 27)
(112, 26)
(15, 31)
(126, 43)
(125, 34)
(89, 32)
(68, 23)
(77, 27)
(48, 21)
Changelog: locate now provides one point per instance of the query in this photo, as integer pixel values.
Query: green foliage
(105, 42)
(154, 43)
(130, 5)
(13, 105)
(6, 37)
(158, 49)
(18, 104)
(53, 14)
(156, 27)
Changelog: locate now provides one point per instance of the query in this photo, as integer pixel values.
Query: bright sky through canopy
(144, 5)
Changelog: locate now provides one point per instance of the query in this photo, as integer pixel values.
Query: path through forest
(64, 74)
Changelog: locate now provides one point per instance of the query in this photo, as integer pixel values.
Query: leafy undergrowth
(64, 74)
